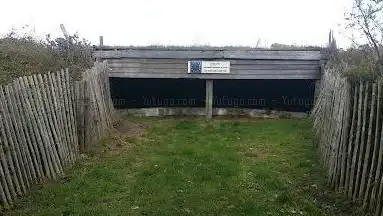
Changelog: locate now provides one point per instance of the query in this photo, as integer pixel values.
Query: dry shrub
(359, 64)
(26, 55)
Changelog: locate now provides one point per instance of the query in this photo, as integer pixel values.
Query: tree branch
(366, 28)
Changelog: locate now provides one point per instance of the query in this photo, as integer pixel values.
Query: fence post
(79, 102)
(209, 99)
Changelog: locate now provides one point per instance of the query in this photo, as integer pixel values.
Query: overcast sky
(177, 22)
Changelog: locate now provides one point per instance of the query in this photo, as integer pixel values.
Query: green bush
(355, 63)
(365, 70)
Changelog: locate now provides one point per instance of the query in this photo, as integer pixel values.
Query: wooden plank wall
(39, 130)
(348, 121)
(245, 64)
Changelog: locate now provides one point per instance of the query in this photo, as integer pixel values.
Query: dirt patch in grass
(337, 203)
(130, 128)
(254, 153)
(123, 136)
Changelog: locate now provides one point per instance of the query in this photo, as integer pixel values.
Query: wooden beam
(101, 41)
(183, 48)
(233, 62)
(209, 99)
(64, 31)
(209, 54)
(183, 67)
(169, 75)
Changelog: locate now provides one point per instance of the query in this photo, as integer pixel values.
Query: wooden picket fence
(349, 124)
(39, 130)
(94, 106)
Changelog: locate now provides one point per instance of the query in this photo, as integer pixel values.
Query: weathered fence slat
(45, 127)
(46, 121)
(21, 143)
(34, 165)
(365, 162)
(64, 117)
(344, 134)
(357, 137)
(343, 130)
(337, 133)
(4, 190)
(10, 145)
(27, 119)
(95, 103)
(95, 109)
(374, 172)
(362, 143)
(71, 96)
(79, 90)
(52, 120)
(47, 168)
(53, 85)
(68, 104)
(350, 138)
(348, 121)
(8, 179)
(39, 124)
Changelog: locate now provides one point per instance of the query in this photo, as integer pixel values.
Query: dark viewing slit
(288, 95)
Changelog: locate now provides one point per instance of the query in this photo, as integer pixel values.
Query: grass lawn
(192, 167)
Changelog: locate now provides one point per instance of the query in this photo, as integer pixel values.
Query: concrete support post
(209, 99)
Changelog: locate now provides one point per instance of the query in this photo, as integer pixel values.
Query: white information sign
(214, 67)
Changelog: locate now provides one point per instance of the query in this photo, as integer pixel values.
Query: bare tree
(367, 17)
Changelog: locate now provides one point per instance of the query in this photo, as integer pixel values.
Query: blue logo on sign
(196, 67)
